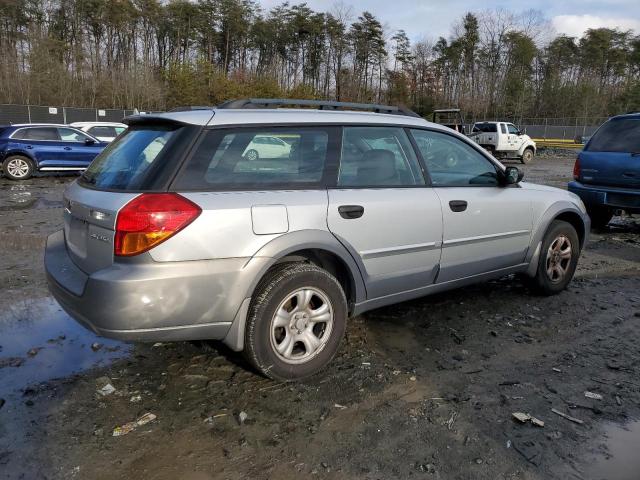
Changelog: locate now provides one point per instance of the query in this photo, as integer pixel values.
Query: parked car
(27, 148)
(607, 171)
(504, 140)
(267, 146)
(195, 241)
(103, 131)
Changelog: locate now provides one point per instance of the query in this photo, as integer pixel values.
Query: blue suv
(607, 171)
(27, 148)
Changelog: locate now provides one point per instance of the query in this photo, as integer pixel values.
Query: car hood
(543, 188)
(558, 193)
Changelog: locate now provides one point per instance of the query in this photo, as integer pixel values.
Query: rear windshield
(617, 136)
(127, 163)
(485, 127)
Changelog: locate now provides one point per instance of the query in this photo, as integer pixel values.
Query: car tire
(558, 258)
(527, 156)
(282, 341)
(600, 216)
(17, 167)
(252, 155)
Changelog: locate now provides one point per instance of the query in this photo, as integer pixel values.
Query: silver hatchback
(267, 228)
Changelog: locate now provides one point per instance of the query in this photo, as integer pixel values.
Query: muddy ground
(424, 389)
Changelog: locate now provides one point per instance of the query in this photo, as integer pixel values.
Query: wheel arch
(315, 246)
(564, 211)
(20, 153)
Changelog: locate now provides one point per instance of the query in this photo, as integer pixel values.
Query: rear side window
(485, 127)
(103, 131)
(37, 133)
(617, 136)
(127, 162)
(378, 157)
(253, 158)
(503, 128)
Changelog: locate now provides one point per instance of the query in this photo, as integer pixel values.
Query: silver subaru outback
(267, 228)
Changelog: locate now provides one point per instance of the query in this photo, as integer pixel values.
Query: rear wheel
(252, 155)
(17, 167)
(558, 258)
(527, 155)
(600, 216)
(295, 323)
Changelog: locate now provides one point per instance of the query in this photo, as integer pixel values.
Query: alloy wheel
(558, 258)
(18, 167)
(301, 325)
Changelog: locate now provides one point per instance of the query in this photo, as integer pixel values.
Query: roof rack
(191, 108)
(319, 104)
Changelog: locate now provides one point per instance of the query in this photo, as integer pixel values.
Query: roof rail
(319, 104)
(191, 108)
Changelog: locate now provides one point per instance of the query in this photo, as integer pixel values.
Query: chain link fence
(12, 114)
(566, 129)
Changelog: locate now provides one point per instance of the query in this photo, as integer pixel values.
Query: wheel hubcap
(558, 258)
(18, 167)
(302, 325)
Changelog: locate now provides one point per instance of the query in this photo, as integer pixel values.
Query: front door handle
(67, 148)
(351, 211)
(30, 147)
(458, 205)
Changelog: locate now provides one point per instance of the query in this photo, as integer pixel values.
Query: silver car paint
(198, 284)
(405, 249)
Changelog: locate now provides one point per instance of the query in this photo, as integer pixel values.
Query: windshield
(125, 162)
(617, 136)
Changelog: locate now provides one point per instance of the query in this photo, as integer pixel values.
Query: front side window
(512, 129)
(453, 163)
(37, 134)
(71, 135)
(254, 158)
(378, 157)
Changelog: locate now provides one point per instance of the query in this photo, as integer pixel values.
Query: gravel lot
(423, 389)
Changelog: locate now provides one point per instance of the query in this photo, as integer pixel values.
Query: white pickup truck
(503, 140)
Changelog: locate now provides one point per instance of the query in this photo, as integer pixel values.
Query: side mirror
(89, 141)
(512, 175)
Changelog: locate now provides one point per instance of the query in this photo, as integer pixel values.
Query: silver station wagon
(179, 231)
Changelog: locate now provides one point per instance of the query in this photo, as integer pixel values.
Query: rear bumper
(168, 301)
(614, 197)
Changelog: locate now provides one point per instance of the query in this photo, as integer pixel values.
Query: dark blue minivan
(607, 172)
(25, 149)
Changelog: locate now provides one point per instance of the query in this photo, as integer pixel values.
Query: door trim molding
(383, 252)
(480, 238)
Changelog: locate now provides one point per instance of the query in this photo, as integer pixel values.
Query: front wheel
(527, 156)
(296, 320)
(17, 167)
(558, 258)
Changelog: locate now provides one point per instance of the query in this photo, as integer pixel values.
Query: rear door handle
(67, 148)
(458, 205)
(29, 147)
(351, 211)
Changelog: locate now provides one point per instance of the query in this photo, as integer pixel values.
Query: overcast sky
(431, 19)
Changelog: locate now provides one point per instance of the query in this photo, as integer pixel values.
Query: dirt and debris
(423, 389)
(131, 426)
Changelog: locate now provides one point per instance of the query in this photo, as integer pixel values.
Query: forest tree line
(155, 55)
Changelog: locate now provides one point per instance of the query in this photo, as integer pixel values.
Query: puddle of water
(64, 346)
(622, 461)
(35, 193)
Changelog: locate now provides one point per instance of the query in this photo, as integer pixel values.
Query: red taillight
(576, 169)
(150, 219)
